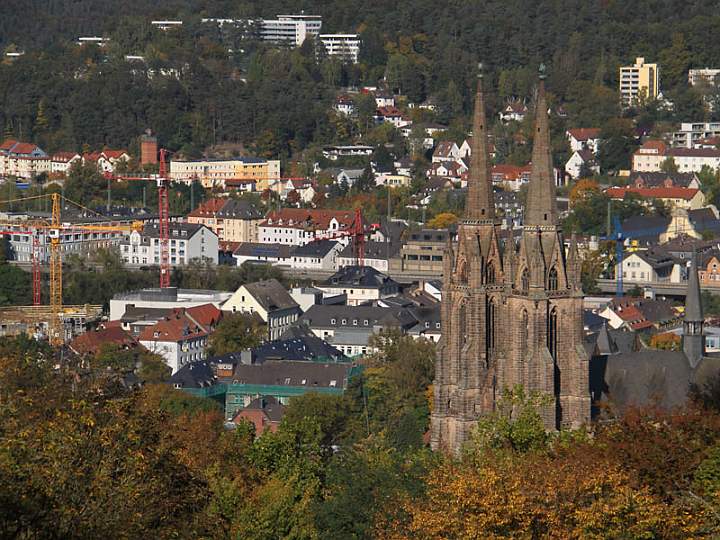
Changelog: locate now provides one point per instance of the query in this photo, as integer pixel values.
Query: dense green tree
(236, 332)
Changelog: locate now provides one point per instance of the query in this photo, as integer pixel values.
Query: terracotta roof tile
(653, 193)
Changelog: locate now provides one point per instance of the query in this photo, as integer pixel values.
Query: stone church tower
(514, 316)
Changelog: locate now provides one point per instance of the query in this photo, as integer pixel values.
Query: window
(553, 279)
(287, 380)
(343, 322)
(525, 281)
(333, 321)
(490, 273)
(333, 383)
(355, 322)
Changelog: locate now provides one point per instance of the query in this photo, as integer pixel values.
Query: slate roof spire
(693, 304)
(480, 204)
(541, 208)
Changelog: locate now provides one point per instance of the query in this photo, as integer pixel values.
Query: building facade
(188, 241)
(638, 81)
(215, 172)
(346, 47)
(512, 316)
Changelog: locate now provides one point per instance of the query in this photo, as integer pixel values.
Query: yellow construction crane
(56, 334)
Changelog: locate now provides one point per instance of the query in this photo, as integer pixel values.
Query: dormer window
(333, 321)
(343, 322)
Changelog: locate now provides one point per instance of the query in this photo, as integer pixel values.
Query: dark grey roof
(271, 295)
(133, 314)
(239, 209)
(644, 377)
(374, 250)
(322, 316)
(657, 311)
(645, 224)
(693, 305)
(392, 229)
(256, 249)
(176, 229)
(269, 405)
(194, 375)
(297, 343)
(319, 248)
(656, 179)
(592, 321)
(657, 258)
(704, 219)
(360, 276)
(291, 373)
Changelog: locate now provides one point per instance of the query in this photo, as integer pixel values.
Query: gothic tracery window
(462, 323)
(553, 279)
(490, 273)
(552, 327)
(525, 281)
(524, 332)
(490, 328)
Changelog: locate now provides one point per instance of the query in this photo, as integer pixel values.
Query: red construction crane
(357, 232)
(163, 214)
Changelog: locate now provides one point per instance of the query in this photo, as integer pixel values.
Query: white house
(273, 254)
(188, 241)
(320, 255)
(446, 151)
(298, 226)
(361, 284)
(268, 300)
(583, 138)
(652, 266)
(578, 160)
(349, 176)
(514, 111)
(177, 338)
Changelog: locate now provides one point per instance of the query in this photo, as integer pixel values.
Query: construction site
(53, 320)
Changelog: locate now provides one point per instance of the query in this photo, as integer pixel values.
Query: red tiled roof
(694, 152)
(583, 134)
(206, 315)
(314, 219)
(388, 111)
(23, 148)
(92, 156)
(653, 193)
(91, 342)
(7, 145)
(228, 246)
(510, 172)
(114, 154)
(208, 208)
(178, 327)
(660, 146)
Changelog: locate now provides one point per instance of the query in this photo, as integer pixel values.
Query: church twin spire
(541, 207)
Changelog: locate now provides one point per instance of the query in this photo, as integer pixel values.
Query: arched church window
(490, 273)
(524, 333)
(462, 323)
(490, 327)
(553, 279)
(552, 332)
(525, 281)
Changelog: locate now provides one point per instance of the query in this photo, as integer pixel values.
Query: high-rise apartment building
(343, 46)
(290, 29)
(639, 81)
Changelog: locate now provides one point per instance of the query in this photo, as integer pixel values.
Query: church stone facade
(511, 314)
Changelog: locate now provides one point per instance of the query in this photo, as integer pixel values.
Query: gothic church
(511, 314)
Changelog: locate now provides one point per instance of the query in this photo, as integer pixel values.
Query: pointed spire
(693, 304)
(541, 208)
(480, 204)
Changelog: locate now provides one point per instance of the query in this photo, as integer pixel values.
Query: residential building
(348, 176)
(423, 252)
(343, 46)
(265, 413)
(91, 342)
(706, 76)
(61, 162)
(333, 153)
(393, 180)
(298, 226)
(641, 179)
(638, 314)
(651, 155)
(318, 255)
(514, 111)
(345, 105)
(268, 300)
(377, 255)
(306, 297)
(350, 328)
(709, 268)
(167, 24)
(384, 99)
(165, 299)
(446, 151)
(177, 338)
(23, 160)
(214, 172)
(93, 40)
(510, 177)
(582, 161)
(106, 161)
(231, 220)
(583, 139)
(361, 284)
(651, 266)
(290, 30)
(676, 197)
(188, 242)
(640, 81)
(448, 169)
(692, 134)
(254, 252)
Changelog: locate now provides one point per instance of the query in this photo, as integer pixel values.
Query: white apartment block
(344, 46)
(290, 30)
(638, 80)
(706, 76)
(691, 133)
(188, 241)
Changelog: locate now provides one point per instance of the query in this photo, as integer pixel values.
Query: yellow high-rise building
(640, 81)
